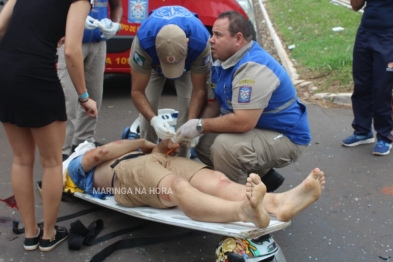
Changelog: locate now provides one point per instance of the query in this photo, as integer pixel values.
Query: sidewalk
(339, 98)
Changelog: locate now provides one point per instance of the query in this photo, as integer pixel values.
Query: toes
(316, 173)
(256, 179)
(316, 170)
(248, 194)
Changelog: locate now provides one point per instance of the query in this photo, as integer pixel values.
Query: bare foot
(290, 203)
(252, 207)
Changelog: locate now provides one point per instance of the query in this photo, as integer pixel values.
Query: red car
(136, 11)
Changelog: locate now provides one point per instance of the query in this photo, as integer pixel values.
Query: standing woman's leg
(23, 150)
(49, 140)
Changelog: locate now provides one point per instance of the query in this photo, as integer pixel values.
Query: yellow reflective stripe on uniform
(282, 107)
(99, 4)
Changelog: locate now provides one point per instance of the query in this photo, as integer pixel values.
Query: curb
(340, 98)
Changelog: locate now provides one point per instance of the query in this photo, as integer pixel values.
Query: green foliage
(308, 24)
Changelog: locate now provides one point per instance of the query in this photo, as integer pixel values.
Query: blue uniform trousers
(373, 79)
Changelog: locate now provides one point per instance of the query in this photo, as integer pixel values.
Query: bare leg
(215, 183)
(287, 204)
(23, 149)
(283, 205)
(204, 207)
(49, 140)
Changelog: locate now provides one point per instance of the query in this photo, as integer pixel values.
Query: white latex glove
(162, 128)
(193, 142)
(109, 28)
(190, 143)
(188, 131)
(89, 23)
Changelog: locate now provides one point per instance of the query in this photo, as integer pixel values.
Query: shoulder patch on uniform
(206, 60)
(244, 94)
(246, 81)
(138, 59)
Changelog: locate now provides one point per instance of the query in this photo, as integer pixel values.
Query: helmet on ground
(233, 249)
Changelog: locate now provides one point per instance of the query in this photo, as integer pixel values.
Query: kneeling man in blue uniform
(255, 122)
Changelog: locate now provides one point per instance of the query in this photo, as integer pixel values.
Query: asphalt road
(352, 221)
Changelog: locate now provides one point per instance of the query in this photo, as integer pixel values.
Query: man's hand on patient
(187, 131)
(162, 128)
(167, 145)
(192, 142)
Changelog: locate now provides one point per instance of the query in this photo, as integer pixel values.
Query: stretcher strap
(124, 158)
(80, 235)
(139, 242)
(18, 231)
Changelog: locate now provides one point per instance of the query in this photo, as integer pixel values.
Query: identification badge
(244, 94)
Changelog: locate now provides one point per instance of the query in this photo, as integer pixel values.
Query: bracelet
(84, 101)
(84, 96)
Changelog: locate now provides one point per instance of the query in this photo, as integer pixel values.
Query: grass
(319, 50)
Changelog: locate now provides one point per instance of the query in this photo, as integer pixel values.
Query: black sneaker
(49, 244)
(73, 148)
(65, 194)
(65, 156)
(32, 243)
(272, 180)
(98, 144)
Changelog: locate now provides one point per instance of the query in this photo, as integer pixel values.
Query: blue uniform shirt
(378, 16)
(100, 11)
(284, 112)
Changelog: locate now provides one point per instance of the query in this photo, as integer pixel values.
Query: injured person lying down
(140, 173)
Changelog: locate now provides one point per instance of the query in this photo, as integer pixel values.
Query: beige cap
(171, 46)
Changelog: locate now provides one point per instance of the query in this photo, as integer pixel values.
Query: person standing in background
(32, 104)
(372, 70)
(79, 126)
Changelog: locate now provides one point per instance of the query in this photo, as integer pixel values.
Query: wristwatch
(199, 126)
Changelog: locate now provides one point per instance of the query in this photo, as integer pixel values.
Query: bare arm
(73, 43)
(116, 10)
(357, 4)
(238, 122)
(5, 16)
(75, 26)
(211, 110)
(114, 150)
(198, 95)
(139, 84)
